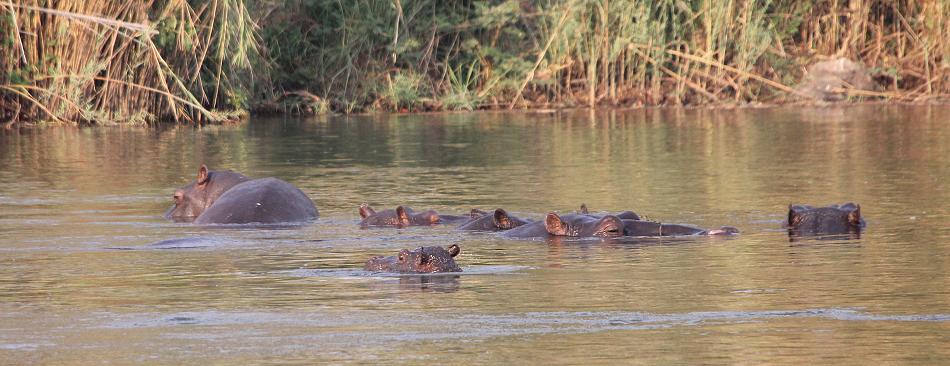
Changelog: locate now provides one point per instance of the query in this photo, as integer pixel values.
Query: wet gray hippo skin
(652, 228)
(227, 197)
(499, 220)
(404, 216)
(625, 215)
(570, 225)
(833, 219)
(420, 260)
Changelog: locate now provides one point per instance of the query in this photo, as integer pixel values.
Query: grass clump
(125, 61)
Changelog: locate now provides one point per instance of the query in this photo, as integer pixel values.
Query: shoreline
(245, 117)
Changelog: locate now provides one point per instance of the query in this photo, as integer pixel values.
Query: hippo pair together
(581, 224)
(500, 220)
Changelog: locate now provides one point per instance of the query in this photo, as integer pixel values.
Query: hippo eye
(402, 257)
(610, 231)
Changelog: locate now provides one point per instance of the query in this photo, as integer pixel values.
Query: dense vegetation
(187, 60)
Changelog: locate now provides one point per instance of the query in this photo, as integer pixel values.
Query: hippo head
(497, 221)
(191, 200)
(579, 225)
(400, 217)
(420, 260)
(834, 219)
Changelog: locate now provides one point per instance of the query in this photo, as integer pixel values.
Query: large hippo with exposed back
(227, 197)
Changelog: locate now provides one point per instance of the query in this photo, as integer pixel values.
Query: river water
(90, 273)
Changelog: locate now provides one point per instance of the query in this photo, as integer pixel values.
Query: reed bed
(104, 60)
(388, 55)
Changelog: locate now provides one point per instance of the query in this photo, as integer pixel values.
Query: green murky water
(81, 281)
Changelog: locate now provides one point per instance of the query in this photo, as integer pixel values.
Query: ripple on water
(481, 325)
(354, 273)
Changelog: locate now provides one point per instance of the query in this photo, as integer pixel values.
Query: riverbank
(79, 63)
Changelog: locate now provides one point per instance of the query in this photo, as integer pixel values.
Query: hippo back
(531, 230)
(499, 220)
(265, 200)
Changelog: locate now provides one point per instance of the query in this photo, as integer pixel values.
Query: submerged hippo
(652, 228)
(227, 197)
(497, 221)
(404, 216)
(420, 260)
(834, 219)
(570, 225)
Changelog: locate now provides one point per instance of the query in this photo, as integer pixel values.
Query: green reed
(182, 60)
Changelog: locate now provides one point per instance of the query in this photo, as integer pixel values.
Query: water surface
(91, 273)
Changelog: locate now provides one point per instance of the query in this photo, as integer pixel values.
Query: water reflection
(180, 293)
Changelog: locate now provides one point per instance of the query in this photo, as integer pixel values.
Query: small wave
(354, 273)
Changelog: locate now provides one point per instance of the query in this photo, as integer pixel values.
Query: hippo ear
(583, 209)
(202, 175)
(792, 215)
(433, 217)
(501, 219)
(854, 217)
(366, 211)
(454, 250)
(554, 225)
(402, 215)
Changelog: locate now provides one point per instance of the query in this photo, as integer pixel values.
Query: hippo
(652, 228)
(227, 197)
(420, 260)
(834, 219)
(497, 221)
(404, 216)
(570, 225)
(625, 215)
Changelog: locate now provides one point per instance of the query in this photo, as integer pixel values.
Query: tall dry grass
(104, 61)
(141, 60)
(704, 51)
(387, 54)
